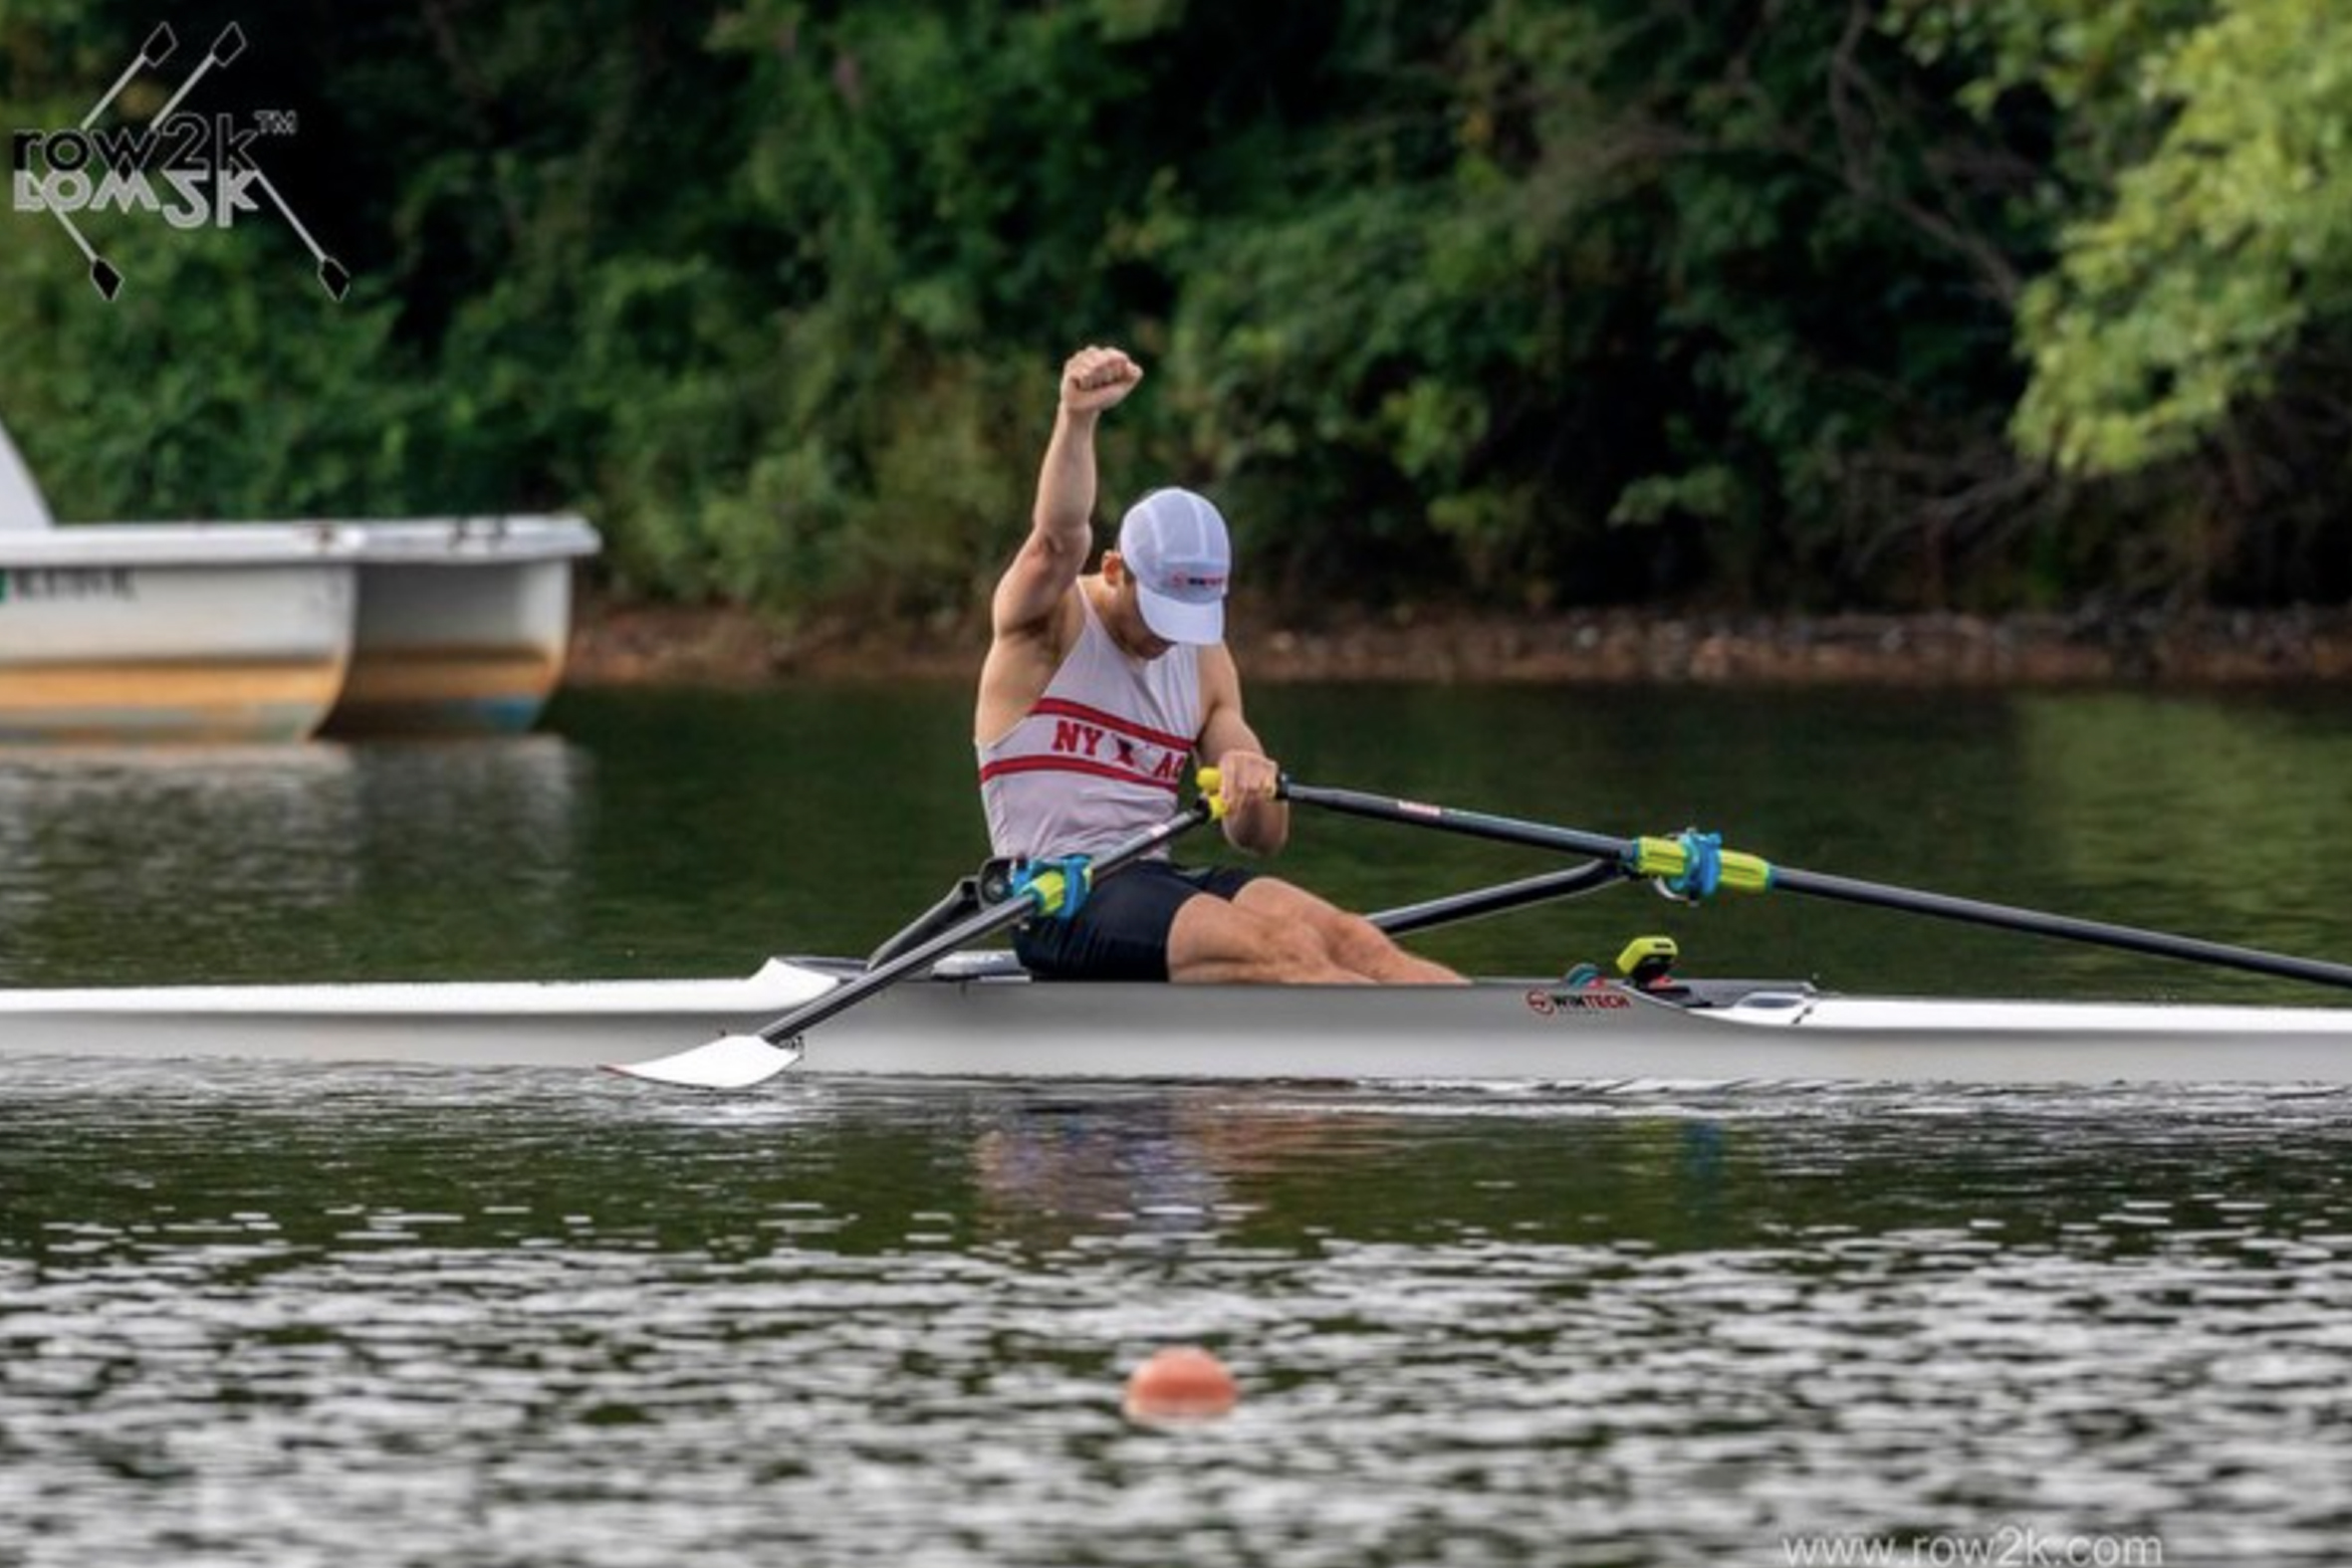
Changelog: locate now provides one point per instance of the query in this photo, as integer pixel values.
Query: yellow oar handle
(1212, 786)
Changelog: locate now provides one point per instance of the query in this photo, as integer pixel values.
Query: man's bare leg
(1274, 934)
(1351, 940)
(1214, 942)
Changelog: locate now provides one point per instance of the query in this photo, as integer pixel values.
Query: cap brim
(1177, 621)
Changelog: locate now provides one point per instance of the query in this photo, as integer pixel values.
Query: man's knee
(1216, 935)
(1353, 940)
(1289, 944)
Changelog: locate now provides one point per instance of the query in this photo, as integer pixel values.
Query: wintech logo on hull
(190, 169)
(1546, 1003)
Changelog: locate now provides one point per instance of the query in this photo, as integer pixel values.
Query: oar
(1483, 901)
(739, 1061)
(1694, 864)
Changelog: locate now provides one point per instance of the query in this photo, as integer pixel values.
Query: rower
(1099, 692)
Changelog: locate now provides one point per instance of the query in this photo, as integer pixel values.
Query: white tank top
(1102, 755)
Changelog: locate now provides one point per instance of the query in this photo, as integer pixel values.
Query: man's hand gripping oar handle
(738, 1062)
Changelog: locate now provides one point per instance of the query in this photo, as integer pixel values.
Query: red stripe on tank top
(1063, 708)
(1073, 765)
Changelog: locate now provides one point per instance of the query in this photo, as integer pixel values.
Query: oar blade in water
(735, 1062)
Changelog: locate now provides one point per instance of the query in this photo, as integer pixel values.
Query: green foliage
(2186, 337)
(2219, 250)
(1545, 299)
(154, 407)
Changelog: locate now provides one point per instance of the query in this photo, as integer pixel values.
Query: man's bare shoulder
(1219, 673)
(1022, 659)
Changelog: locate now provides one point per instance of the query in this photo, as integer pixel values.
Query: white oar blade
(737, 1061)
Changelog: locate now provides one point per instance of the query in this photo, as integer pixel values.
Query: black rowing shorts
(1121, 931)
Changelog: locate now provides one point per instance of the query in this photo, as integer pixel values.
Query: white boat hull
(258, 631)
(22, 505)
(463, 625)
(172, 633)
(995, 1026)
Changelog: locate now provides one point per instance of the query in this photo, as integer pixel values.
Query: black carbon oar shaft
(1673, 859)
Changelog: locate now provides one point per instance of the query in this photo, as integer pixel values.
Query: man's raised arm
(1061, 528)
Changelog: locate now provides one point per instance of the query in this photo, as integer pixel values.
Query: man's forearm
(1065, 483)
(1259, 827)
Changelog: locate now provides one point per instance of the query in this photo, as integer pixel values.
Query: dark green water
(276, 1317)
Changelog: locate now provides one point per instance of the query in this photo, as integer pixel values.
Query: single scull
(925, 1007)
(976, 1014)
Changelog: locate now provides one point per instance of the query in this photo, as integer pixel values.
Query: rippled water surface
(291, 1317)
(272, 1316)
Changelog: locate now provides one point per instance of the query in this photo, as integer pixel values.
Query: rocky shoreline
(632, 646)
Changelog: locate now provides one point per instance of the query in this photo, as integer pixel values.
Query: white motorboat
(22, 506)
(464, 623)
(264, 631)
(172, 631)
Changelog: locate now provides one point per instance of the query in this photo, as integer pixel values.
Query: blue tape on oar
(1702, 871)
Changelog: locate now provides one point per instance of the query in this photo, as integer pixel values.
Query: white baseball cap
(1175, 543)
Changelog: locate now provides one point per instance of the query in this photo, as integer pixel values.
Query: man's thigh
(1268, 929)
(1275, 899)
(1126, 928)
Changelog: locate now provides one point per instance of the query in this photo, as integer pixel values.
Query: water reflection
(222, 863)
(1172, 1172)
(1046, 1173)
(2210, 811)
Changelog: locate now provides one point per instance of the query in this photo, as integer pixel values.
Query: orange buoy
(1181, 1383)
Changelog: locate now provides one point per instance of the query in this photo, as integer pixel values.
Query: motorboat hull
(172, 633)
(463, 626)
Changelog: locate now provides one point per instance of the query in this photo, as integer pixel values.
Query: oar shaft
(1481, 902)
(2095, 933)
(1670, 858)
(986, 923)
(1475, 825)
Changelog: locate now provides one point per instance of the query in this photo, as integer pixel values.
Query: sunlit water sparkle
(269, 1316)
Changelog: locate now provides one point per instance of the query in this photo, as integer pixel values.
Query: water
(270, 1317)
(283, 1316)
